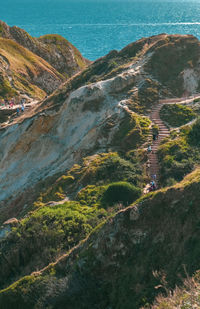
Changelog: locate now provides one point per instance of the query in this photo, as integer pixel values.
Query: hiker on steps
(152, 186)
(154, 177)
(155, 131)
(149, 149)
(148, 167)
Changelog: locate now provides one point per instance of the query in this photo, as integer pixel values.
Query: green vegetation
(180, 154)
(176, 115)
(5, 88)
(93, 176)
(44, 235)
(133, 249)
(170, 58)
(106, 180)
(91, 195)
(26, 67)
(97, 170)
(121, 193)
(194, 134)
(148, 94)
(133, 130)
(197, 100)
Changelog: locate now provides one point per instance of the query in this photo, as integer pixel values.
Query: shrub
(120, 192)
(194, 134)
(132, 131)
(90, 195)
(44, 235)
(176, 115)
(106, 168)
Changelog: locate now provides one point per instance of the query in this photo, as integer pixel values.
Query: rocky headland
(35, 66)
(75, 165)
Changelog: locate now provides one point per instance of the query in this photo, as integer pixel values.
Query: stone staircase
(154, 168)
(163, 132)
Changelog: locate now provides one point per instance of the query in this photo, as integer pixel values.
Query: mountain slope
(56, 50)
(77, 158)
(22, 71)
(123, 259)
(83, 118)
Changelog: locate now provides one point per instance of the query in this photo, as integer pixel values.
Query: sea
(96, 27)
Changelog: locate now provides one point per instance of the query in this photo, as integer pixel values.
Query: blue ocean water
(97, 26)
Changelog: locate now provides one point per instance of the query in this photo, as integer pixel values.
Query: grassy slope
(179, 154)
(157, 65)
(51, 48)
(124, 259)
(176, 115)
(55, 40)
(58, 228)
(171, 56)
(185, 297)
(25, 66)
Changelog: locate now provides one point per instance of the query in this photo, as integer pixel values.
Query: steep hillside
(107, 181)
(71, 165)
(81, 118)
(124, 260)
(56, 50)
(186, 296)
(180, 153)
(21, 71)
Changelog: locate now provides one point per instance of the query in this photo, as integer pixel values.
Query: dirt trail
(29, 109)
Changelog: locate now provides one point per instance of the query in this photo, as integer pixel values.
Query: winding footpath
(164, 132)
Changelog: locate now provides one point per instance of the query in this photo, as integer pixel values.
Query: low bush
(194, 134)
(176, 114)
(120, 192)
(44, 235)
(179, 155)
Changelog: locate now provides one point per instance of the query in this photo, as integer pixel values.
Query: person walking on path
(155, 131)
(149, 149)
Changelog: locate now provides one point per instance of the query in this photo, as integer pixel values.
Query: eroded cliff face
(21, 71)
(52, 141)
(35, 67)
(56, 50)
